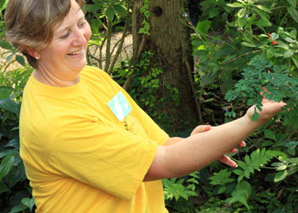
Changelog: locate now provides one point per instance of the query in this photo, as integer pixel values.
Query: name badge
(120, 106)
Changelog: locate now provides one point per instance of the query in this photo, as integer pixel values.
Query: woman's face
(65, 56)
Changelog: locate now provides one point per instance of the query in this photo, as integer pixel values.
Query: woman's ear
(33, 53)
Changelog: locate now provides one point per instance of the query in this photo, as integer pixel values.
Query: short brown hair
(30, 23)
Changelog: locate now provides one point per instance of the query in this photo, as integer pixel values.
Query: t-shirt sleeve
(108, 158)
(152, 129)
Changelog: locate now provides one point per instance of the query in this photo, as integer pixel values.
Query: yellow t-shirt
(79, 157)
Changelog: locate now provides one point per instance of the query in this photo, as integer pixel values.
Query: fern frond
(255, 161)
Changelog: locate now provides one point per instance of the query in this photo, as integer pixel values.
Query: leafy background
(240, 48)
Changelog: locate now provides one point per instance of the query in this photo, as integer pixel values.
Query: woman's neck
(49, 79)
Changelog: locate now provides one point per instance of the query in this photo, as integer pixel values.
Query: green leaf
(291, 145)
(248, 44)
(295, 60)
(264, 18)
(6, 165)
(261, 7)
(203, 26)
(292, 3)
(263, 22)
(28, 202)
(10, 106)
(220, 178)
(213, 12)
(120, 10)
(5, 45)
(242, 164)
(92, 7)
(255, 116)
(288, 53)
(279, 176)
(20, 59)
(110, 13)
(290, 40)
(141, 30)
(245, 187)
(293, 12)
(293, 33)
(238, 172)
(281, 167)
(241, 193)
(235, 5)
(270, 134)
(5, 92)
(9, 57)
(3, 188)
(13, 143)
(3, 4)
(147, 14)
(208, 79)
(17, 208)
(274, 36)
(242, 12)
(222, 189)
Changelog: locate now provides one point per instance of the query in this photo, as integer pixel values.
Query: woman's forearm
(199, 150)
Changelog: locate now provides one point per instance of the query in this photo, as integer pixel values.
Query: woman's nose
(79, 38)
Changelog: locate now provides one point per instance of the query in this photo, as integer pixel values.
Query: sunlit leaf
(110, 13)
(279, 176)
(6, 165)
(235, 5)
(294, 13)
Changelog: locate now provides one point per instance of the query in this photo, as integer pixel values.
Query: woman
(86, 145)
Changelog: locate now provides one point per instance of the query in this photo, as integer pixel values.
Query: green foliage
(240, 47)
(146, 11)
(15, 192)
(146, 80)
(277, 80)
(14, 188)
(241, 194)
(148, 83)
(281, 85)
(109, 10)
(180, 190)
(11, 55)
(242, 30)
(221, 178)
(255, 161)
(105, 18)
(226, 180)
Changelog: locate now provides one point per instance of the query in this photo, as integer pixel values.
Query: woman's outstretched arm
(199, 150)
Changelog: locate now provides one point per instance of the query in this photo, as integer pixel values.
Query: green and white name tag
(120, 106)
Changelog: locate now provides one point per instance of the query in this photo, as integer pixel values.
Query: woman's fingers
(242, 144)
(235, 150)
(201, 128)
(228, 161)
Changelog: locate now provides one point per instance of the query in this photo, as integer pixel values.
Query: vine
(146, 26)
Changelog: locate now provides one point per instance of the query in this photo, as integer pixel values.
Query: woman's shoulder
(94, 71)
(95, 76)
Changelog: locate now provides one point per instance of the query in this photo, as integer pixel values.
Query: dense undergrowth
(240, 48)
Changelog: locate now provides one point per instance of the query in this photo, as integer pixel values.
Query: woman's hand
(224, 159)
(269, 109)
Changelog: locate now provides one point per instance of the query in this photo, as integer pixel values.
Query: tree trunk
(169, 41)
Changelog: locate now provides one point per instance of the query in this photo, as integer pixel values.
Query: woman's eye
(65, 35)
(81, 24)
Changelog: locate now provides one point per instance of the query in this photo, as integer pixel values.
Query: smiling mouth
(75, 53)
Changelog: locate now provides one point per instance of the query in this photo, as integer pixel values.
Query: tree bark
(169, 41)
